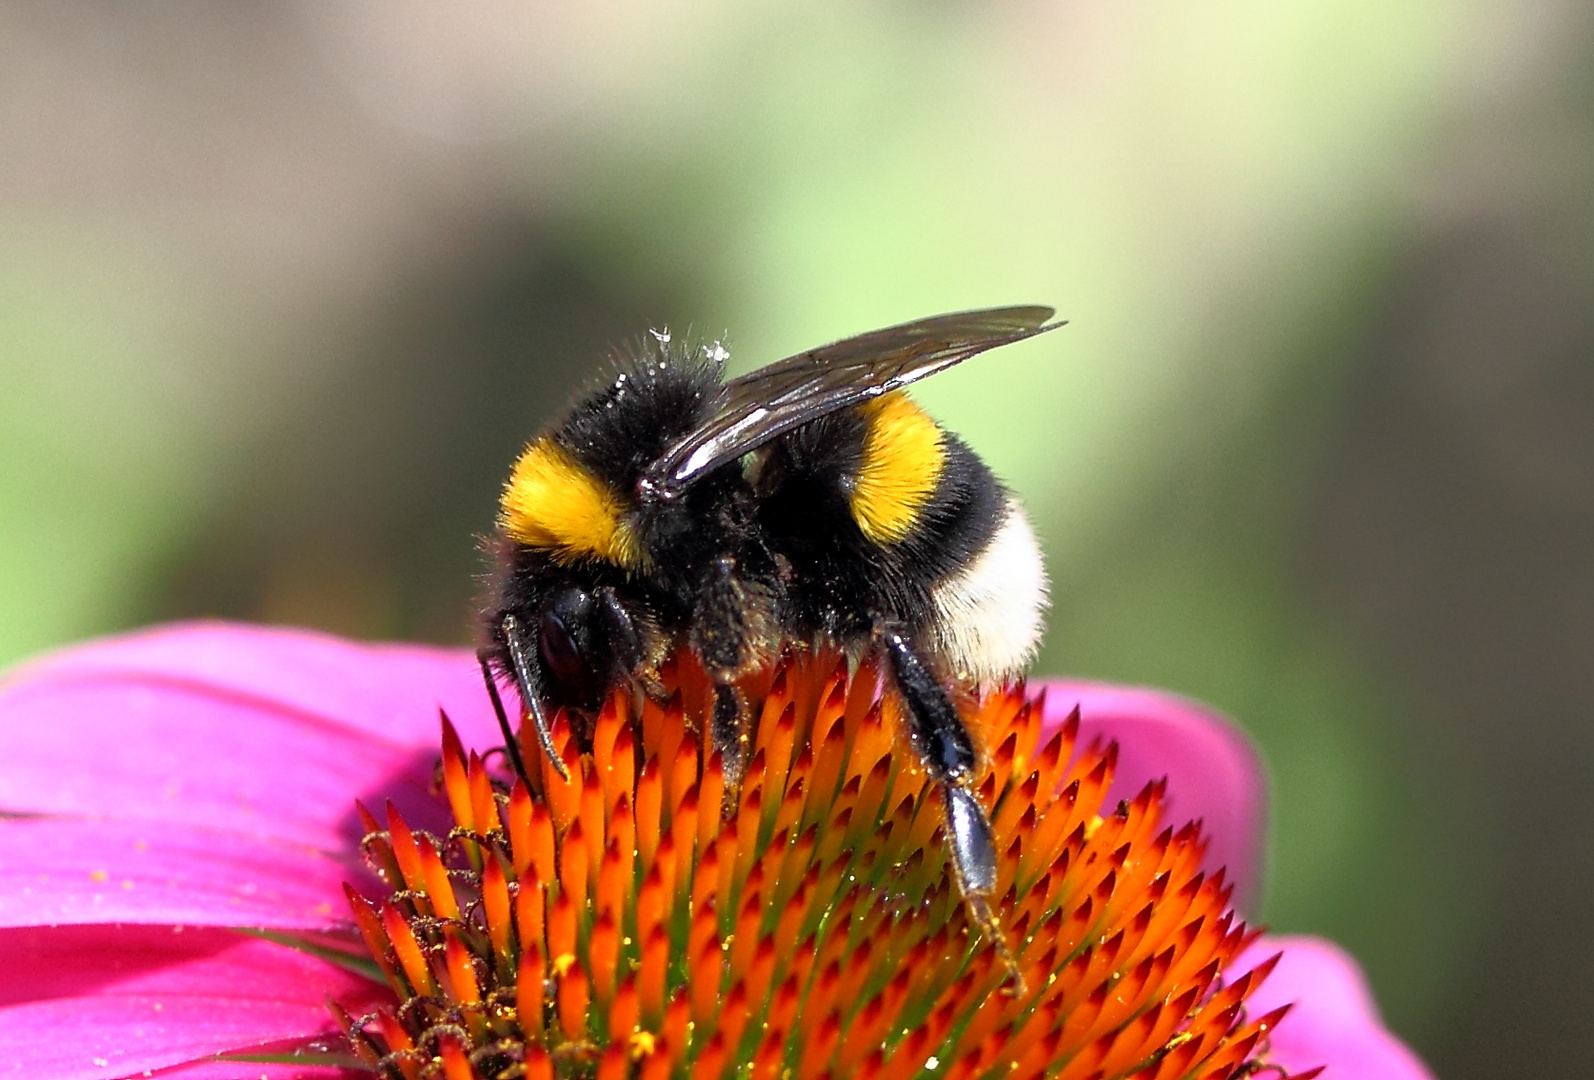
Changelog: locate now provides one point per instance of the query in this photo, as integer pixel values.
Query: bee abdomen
(903, 458)
(988, 612)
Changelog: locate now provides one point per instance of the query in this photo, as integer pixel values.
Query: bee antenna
(511, 744)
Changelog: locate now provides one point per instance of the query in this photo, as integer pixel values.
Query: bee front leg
(634, 643)
(511, 744)
(528, 680)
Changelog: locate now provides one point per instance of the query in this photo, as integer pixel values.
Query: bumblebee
(809, 502)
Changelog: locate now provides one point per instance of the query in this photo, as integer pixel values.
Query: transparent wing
(784, 395)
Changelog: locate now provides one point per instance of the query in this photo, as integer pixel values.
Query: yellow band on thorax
(552, 502)
(902, 462)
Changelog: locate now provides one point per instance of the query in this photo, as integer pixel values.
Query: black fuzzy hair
(654, 393)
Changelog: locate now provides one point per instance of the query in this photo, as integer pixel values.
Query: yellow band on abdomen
(902, 462)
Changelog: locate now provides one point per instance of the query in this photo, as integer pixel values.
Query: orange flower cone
(644, 920)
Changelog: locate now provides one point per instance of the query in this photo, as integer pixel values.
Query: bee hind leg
(947, 750)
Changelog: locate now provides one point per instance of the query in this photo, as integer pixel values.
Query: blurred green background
(283, 288)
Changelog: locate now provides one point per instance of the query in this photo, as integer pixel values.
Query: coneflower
(178, 822)
(620, 924)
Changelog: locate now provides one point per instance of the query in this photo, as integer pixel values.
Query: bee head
(576, 646)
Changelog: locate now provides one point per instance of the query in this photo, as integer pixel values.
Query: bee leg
(528, 680)
(620, 629)
(653, 687)
(629, 644)
(511, 744)
(722, 638)
(947, 750)
(944, 745)
(728, 735)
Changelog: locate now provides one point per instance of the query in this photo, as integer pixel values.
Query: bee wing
(773, 400)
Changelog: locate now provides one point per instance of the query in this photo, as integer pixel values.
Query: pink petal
(1334, 1022)
(141, 747)
(59, 872)
(1213, 771)
(104, 1001)
(247, 745)
(232, 1070)
(391, 691)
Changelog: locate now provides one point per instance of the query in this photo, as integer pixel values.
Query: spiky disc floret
(639, 921)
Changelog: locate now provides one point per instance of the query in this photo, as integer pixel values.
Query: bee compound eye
(561, 652)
